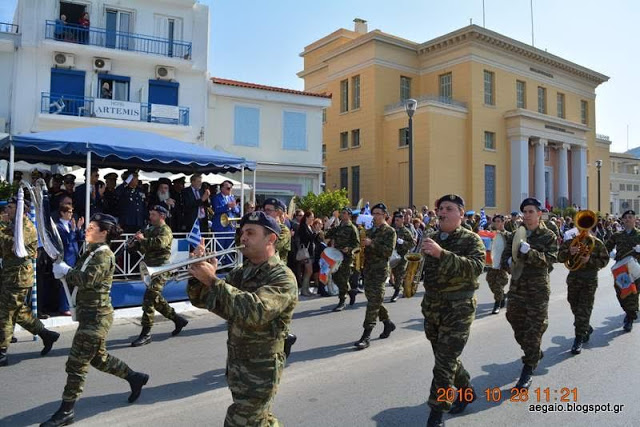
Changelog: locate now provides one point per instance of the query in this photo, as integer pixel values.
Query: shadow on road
(317, 353)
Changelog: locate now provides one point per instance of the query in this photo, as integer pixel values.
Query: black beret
(380, 206)
(514, 213)
(398, 215)
(69, 178)
(260, 218)
(103, 218)
(627, 212)
(277, 204)
(160, 209)
(111, 175)
(453, 198)
(164, 181)
(531, 201)
(497, 216)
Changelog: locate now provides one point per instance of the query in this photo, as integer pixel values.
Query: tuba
(585, 242)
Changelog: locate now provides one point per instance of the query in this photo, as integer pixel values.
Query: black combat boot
(14, 340)
(289, 341)
(395, 295)
(322, 290)
(340, 305)
(503, 302)
(435, 419)
(585, 339)
(525, 377)
(463, 399)
(63, 416)
(496, 308)
(364, 339)
(352, 296)
(144, 337)
(180, 323)
(136, 381)
(4, 360)
(628, 323)
(389, 327)
(48, 338)
(577, 345)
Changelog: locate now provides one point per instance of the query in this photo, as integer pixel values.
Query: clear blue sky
(259, 40)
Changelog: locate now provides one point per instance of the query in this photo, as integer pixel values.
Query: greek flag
(483, 219)
(194, 235)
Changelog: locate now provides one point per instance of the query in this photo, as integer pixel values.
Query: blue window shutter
(163, 92)
(294, 131)
(246, 126)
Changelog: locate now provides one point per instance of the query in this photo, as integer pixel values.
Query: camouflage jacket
(551, 225)
(94, 283)
(283, 245)
(409, 241)
(624, 243)
(344, 236)
(460, 264)
(510, 226)
(156, 245)
(599, 259)
(376, 256)
(18, 272)
(538, 262)
(256, 300)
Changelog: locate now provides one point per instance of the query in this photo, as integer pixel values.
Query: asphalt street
(327, 383)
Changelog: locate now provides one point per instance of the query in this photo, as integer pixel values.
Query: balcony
(83, 106)
(8, 28)
(111, 39)
(423, 99)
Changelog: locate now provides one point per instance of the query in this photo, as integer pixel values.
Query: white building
(281, 129)
(625, 182)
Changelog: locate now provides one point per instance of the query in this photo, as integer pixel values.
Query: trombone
(178, 273)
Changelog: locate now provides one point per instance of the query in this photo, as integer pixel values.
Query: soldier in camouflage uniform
(627, 243)
(514, 223)
(155, 244)
(379, 244)
(454, 258)
(345, 238)
(405, 241)
(581, 286)
(257, 299)
(16, 282)
(528, 304)
(92, 277)
(498, 278)
(275, 208)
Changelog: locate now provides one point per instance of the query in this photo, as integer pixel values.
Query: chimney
(360, 26)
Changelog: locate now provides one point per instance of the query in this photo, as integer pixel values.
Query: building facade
(625, 182)
(280, 129)
(497, 120)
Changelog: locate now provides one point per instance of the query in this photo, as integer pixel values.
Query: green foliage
(570, 212)
(7, 190)
(325, 203)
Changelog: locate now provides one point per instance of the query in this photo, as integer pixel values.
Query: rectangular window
(521, 94)
(629, 187)
(355, 138)
(324, 115)
(561, 105)
(621, 187)
(344, 96)
(323, 184)
(246, 126)
(113, 87)
(446, 89)
(490, 141)
(546, 153)
(294, 130)
(344, 178)
(636, 205)
(489, 80)
(542, 100)
(355, 184)
(490, 185)
(405, 88)
(324, 152)
(344, 140)
(403, 137)
(355, 83)
(636, 187)
(584, 112)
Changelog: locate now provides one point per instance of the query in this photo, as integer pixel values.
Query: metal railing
(5, 27)
(426, 98)
(121, 40)
(83, 106)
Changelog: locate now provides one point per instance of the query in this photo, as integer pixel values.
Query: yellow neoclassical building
(497, 120)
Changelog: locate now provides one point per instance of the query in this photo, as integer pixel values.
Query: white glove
(524, 247)
(636, 248)
(509, 262)
(401, 242)
(60, 269)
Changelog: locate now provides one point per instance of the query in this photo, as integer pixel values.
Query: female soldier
(92, 277)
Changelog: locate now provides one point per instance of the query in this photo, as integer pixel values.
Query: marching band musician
(528, 304)
(497, 278)
(275, 208)
(514, 223)
(379, 244)
(582, 284)
(345, 238)
(92, 276)
(155, 244)
(627, 243)
(405, 241)
(455, 258)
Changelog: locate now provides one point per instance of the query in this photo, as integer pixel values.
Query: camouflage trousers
(497, 280)
(341, 277)
(253, 384)
(374, 292)
(629, 303)
(529, 319)
(14, 310)
(154, 301)
(447, 324)
(89, 348)
(581, 295)
(399, 271)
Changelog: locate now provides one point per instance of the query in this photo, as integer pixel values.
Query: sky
(260, 41)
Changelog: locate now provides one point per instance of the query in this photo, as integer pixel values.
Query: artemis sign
(121, 110)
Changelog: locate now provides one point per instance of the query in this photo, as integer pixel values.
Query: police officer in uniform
(405, 241)
(498, 278)
(345, 238)
(131, 203)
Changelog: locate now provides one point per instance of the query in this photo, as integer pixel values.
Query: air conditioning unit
(102, 64)
(61, 59)
(165, 73)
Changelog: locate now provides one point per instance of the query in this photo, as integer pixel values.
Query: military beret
(453, 198)
(398, 214)
(57, 177)
(111, 175)
(514, 213)
(260, 218)
(69, 178)
(164, 181)
(629, 212)
(103, 218)
(160, 209)
(380, 206)
(497, 216)
(531, 201)
(277, 204)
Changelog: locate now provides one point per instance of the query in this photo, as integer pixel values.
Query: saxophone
(415, 261)
(358, 253)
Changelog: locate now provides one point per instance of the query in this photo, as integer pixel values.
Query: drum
(625, 273)
(487, 238)
(330, 261)
(395, 259)
(497, 248)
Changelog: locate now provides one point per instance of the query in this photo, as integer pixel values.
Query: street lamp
(598, 167)
(410, 107)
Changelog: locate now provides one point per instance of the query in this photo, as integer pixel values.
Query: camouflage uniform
(551, 225)
(283, 245)
(376, 272)
(582, 284)
(624, 243)
(510, 226)
(400, 269)
(95, 316)
(156, 248)
(344, 236)
(16, 283)
(258, 302)
(498, 278)
(449, 306)
(528, 304)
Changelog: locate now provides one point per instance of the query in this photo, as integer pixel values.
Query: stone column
(579, 176)
(519, 170)
(563, 175)
(539, 170)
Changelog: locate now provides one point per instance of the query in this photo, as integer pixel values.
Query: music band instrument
(625, 273)
(225, 220)
(415, 262)
(497, 247)
(358, 253)
(584, 220)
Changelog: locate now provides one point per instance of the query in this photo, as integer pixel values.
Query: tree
(7, 190)
(325, 203)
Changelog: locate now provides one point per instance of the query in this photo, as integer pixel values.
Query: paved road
(327, 383)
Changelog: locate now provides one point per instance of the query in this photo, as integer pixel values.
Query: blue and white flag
(483, 219)
(194, 237)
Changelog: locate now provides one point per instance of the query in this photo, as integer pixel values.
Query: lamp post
(598, 167)
(410, 107)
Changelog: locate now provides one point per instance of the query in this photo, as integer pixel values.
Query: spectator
(305, 238)
(58, 32)
(196, 200)
(84, 28)
(319, 246)
(132, 209)
(249, 207)
(96, 195)
(70, 234)
(105, 92)
(177, 220)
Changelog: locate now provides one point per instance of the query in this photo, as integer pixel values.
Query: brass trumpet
(584, 221)
(225, 220)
